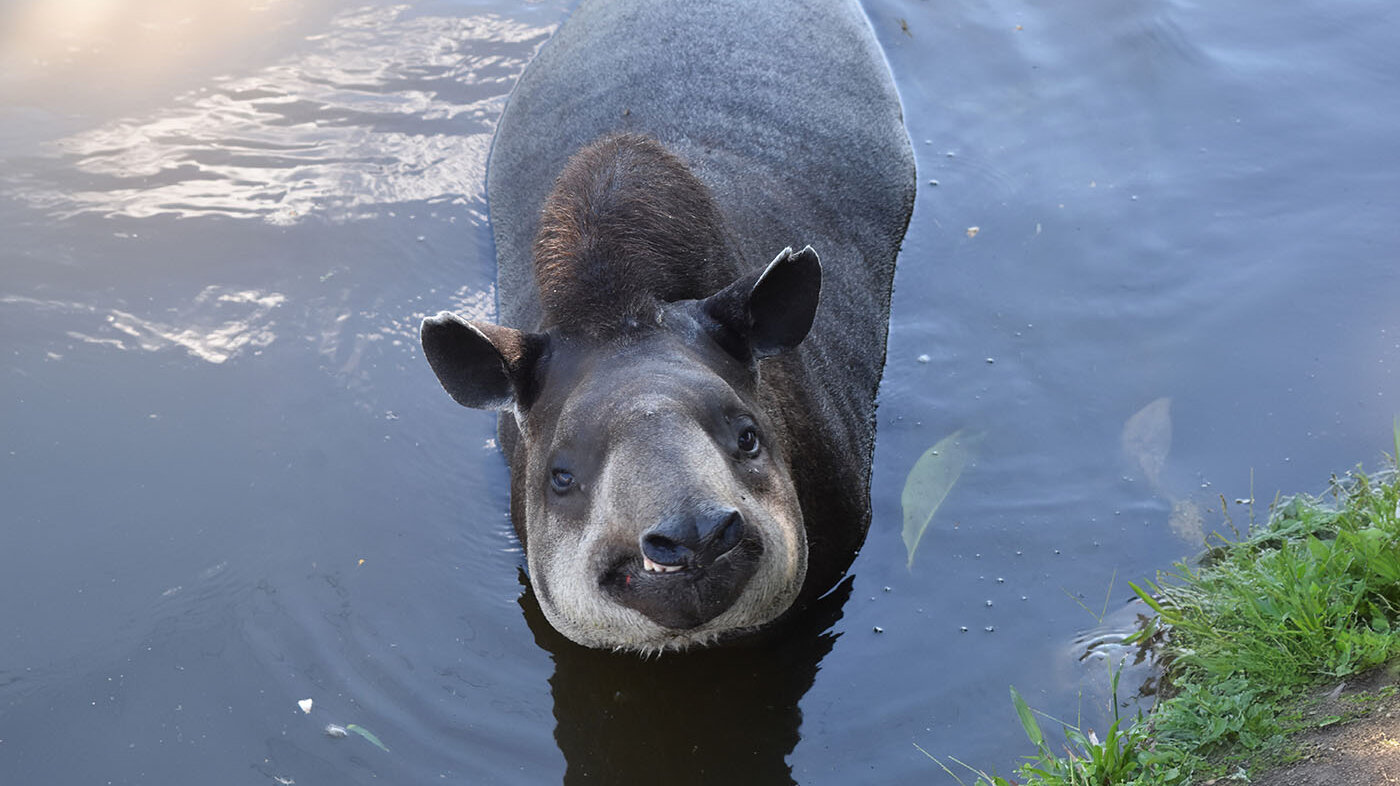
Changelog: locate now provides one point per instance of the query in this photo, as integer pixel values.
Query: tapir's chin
(681, 598)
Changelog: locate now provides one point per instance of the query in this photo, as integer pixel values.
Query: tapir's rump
(687, 403)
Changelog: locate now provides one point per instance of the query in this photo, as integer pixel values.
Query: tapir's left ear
(764, 313)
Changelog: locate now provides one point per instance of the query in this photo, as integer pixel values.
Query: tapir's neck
(627, 228)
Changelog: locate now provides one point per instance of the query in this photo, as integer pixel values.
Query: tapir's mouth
(653, 567)
(686, 596)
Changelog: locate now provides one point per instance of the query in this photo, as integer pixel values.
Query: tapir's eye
(748, 441)
(561, 480)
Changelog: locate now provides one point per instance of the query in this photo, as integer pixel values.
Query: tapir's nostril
(663, 550)
(692, 539)
(728, 533)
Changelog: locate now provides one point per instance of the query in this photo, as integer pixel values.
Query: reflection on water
(1131, 665)
(383, 108)
(725, 715)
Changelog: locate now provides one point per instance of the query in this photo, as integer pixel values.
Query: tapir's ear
(480, 365)
(764, 313)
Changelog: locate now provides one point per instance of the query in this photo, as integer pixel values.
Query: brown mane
(627, 227)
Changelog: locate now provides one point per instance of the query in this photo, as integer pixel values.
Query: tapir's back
(787, 112)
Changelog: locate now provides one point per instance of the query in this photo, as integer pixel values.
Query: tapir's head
(651, 473)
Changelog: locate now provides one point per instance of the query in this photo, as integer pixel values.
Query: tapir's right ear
(480, 365)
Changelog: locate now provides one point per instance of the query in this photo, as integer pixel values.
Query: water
(232, 483)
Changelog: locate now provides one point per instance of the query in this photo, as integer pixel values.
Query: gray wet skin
(688, 418)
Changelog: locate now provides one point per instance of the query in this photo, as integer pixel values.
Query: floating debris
(333, 730)
(363, 732)
(305, 705)
(928, 484)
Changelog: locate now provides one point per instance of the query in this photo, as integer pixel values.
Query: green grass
(1308, 598)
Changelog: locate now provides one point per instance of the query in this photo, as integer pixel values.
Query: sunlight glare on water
(341, 129)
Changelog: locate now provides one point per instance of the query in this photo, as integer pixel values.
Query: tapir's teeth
(653, 567)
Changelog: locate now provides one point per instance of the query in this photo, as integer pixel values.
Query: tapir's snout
(691, 540)
(686, 569)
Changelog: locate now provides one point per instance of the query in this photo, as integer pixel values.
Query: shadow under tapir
(722, 715)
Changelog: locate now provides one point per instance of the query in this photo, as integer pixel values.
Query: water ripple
(220, 323)
(383, 108)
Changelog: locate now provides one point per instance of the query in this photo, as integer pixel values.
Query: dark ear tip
(807, 255)
(444, 328)
(441, 319)
(802, 264)
(808, 261)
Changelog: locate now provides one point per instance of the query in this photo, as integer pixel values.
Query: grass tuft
(1307, 597)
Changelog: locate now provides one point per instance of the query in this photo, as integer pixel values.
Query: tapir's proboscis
(696, 208)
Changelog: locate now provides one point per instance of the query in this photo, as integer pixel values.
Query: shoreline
(1280, 655)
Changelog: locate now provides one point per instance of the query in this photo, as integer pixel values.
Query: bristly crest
(620, 216)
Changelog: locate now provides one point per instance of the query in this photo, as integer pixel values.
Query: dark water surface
(230, 481)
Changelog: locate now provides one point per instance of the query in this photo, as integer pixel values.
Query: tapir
(696, 208)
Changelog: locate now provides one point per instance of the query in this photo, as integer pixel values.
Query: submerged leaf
(367, 734)
(1187, 522)
(1147, 438)
(928, 485)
